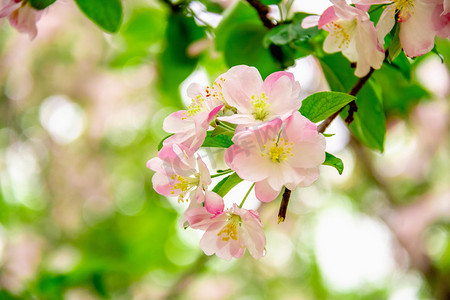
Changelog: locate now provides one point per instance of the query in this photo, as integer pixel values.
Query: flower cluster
(22, 16)
(272, 145)
(352, 33)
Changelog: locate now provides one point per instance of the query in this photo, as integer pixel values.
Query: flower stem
(246, 195)
(224, 126)
(222, 173)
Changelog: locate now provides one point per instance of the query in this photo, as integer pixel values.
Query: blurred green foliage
(94, 196)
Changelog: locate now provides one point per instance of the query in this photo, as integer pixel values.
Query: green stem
(222, 173)
(246, 195)
(224, 126)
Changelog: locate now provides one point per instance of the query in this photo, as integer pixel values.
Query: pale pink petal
(310, 21)
(283, 94)
(9, 8)
(327, 17)
(254, 237)
(441, 22)
(176, 122)
(200, 218)
(371, 2)
(156, 164)
(248, 167)
(208, 242)
(194, 89)
(214, 113)
(184, 223)
(369, 54)
(242, 82)
(26, 20)
(385, 23)
(274, 78)
(309, 176)
(362, 7)
(344, 11)
(213, 203)
(238, 119)
(417, 33)
(264, 192)
(162, 186)
(205, 177)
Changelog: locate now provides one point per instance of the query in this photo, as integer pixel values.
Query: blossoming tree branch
(270, 136)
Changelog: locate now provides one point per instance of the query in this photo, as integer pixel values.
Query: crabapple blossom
(190, 126)
(352, 33)
(228, 232)
(277, 154)
(256, 100)
(420, 21)
(178, 173)
(22, 16)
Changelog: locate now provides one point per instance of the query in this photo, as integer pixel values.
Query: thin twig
(263, 11)
(321, 129)
(353, 108)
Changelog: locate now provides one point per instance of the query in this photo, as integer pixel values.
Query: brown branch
(263, 11)
(353, 108)
(321, 129)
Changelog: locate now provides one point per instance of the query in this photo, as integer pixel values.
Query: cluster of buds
(273, 146)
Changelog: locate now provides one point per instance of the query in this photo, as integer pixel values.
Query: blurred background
(81, 112)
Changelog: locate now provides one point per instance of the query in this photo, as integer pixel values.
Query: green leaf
(321, 105)
(270, 2)
(244, 46)
(333, 161)
(402, 63)
(138, 40)
(399, 94)
(218, 141)
(226, 184)
(395, 47)
(107, 14)
(41, 4)
(369, 124)
(174, 64)
(338, 72)
(220, 130)
(240, 13)
(292, 32)
(160, 145)
(328, 134)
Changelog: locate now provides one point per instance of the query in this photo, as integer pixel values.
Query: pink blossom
(420, 21)
(257, 101)
(22, 16)
(190, 126)
(228, 232)
(278, 154)
(352, 33)
(177, 175)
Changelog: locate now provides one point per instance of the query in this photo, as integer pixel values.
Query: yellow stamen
(405, 9)
(260, 107)
(277, 151)
(231, 229)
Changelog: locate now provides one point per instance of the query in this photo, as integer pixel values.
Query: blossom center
(405, 9)
(231, 229)
(195, 107)
(215, 90)
(185, 184)
(260, 107)
(342, 31)
(277, 151)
